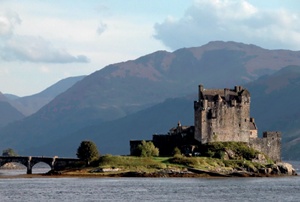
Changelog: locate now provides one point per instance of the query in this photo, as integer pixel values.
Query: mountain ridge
(125, 88)
(28, 105)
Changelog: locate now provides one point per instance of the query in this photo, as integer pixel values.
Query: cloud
(210, 20)
(101, 28)
(14, 47)
(36, 49)
(8, 21)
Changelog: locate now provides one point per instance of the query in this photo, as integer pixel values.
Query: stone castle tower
(223, 115)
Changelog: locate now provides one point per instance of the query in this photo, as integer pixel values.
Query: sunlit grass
(131, 163)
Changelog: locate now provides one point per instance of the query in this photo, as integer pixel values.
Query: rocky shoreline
(10, 166)
(272, 170)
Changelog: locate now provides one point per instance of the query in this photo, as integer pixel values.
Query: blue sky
(42, 42)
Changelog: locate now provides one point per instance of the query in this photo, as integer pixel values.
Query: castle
(220, 115)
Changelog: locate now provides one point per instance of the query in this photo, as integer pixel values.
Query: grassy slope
(213, 159)
(178, 163)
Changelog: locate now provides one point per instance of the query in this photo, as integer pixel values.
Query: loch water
(149, 189)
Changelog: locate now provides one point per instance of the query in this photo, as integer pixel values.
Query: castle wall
(180, 138)
(270, 145)
(166, 143)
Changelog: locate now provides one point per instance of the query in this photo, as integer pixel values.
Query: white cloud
(36, 49)
(30, 46)
(8, 20)
(209, 20)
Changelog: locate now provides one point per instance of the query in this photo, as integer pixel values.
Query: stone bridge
(55, 163)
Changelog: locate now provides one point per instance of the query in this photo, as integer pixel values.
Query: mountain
(271, 106)
(275, 105)
(31, 104)
(122, 89)
(113, 137)
(8, 113)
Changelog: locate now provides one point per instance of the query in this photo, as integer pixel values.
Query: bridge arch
(49, 162)
(41, 167)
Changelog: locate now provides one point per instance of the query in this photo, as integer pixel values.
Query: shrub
(176, 151)
(186, 161)
(242, 150)
(9, 152)
(147, 149)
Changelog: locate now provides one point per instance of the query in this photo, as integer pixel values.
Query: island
(223, 142)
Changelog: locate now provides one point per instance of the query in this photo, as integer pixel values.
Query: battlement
(230, 97)
(271, 134)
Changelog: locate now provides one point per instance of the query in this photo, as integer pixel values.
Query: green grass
(205, 163)
(152, 164)
(130, 163)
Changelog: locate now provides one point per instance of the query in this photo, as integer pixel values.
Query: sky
(42, 42)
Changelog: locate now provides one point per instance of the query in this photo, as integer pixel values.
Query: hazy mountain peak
(31, 104)
(11, 96)
(2, 97)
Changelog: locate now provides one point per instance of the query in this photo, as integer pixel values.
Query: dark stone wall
(167, 143)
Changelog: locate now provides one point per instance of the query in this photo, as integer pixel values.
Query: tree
(177, 151)
(147, 149)
(9, 152)
(87, 151)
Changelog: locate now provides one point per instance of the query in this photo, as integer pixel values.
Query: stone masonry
(223, 115)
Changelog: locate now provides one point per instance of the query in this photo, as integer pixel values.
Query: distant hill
(113, 137)
(8, 113)
(11, 96)
(31, 104)
(275, 106)
(122, 89)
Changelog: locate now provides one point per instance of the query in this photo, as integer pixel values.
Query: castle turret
(200, 87)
